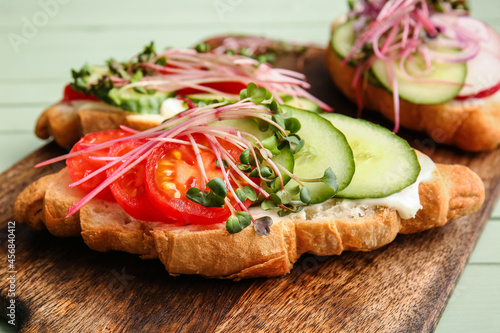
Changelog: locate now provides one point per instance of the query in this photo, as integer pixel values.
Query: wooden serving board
(62, 286)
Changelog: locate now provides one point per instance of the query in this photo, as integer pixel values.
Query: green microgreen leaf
(206, 199)
(250, 192)
(218, 186)
(268, 204)
(263, 125)
(162, 61)
(278, 119)
(245, 167)
(147, 54)
(247, 158)
(296, 144)
(213, 198)
(245, 193)
(275, 184)
(244, 218)
(241, 194)
(224, 163)
(275, 107)
(117, 68)
(330, 179)
(289, 210)
(267, 57)
(269, 96)
(202, 47)
(292, 124)
(210, 199)
(275, 198)
(271, 143)
(284, 196)
(257, 94)
(305, 196)
(262, 225)
(238, 222)
(244, 52)
(233, 226)
(265, 172)
(243, 93)
(194, 194)
(136, 77)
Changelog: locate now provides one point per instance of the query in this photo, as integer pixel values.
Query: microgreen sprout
(252, 177)
(143, 83)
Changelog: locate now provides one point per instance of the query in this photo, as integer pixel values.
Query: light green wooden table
(41, 40)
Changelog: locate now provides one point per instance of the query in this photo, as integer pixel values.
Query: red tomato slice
(72, 95)
(172, 170)
(81, 165)
(227, 87)
(129, 190)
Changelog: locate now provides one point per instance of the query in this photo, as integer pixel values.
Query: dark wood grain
(62, 286)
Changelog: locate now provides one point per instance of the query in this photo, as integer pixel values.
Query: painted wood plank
(496, 212)
(58, 52)
(94, 13)
(475, 304)
(15, 118)
(32, 93)
(487, 250)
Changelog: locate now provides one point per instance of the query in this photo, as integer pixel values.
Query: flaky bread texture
(326, 229)
(472, 125)
(68, 122)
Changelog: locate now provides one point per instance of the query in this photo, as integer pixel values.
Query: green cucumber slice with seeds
(385, 163)
(206, 98)
(343, 39)
(451, 76)
(301, 103)
(325, 147)
(138, 102)
(297, 102)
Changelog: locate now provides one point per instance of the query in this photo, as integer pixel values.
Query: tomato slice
(82, 165)
(129, 190)
(172, 170)
(227, 87)
(71, 95)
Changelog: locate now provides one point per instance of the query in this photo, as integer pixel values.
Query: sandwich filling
(422, 51)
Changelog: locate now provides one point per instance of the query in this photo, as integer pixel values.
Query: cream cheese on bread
(406, 202)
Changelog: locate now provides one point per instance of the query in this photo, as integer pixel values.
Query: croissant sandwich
(240, 190)
(425, 65)
(158, 85)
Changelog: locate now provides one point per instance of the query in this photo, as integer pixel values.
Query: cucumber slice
(343, 39)
(301, 103)
(298, 102)
(385, 163)
(325, 147)
(451, 75)
(133, 101)
(206, 98)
